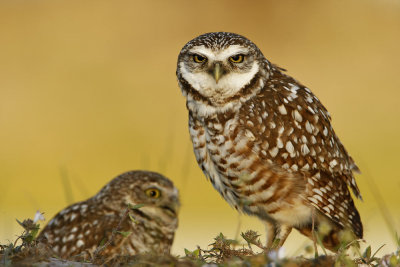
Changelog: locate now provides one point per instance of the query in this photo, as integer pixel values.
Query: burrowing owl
(84, 226)
(265, 141)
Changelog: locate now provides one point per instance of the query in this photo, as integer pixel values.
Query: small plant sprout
(31, 229)
(252, 238)
(39, 216)
(195, 254)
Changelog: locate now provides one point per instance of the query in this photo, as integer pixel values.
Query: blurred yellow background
(88, 91)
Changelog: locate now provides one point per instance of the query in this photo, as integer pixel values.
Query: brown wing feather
(309, 147)
(309, 118)
(77, 229)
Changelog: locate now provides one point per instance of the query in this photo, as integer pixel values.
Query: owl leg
(313, 232)
(276, 234)
(282, 232)
(270, 230)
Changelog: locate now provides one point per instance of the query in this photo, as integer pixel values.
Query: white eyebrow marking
(219, 55)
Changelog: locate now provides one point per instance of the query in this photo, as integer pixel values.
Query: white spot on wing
(282, 109)
(309, 127)
(305, 167)
(325, 131)
(313, 200)
(304, 149)
(316, 190)
(80, 243)
(70, 237)
(313, 140)
(273, 152)
(272, 125)
(249, 134)
(317, 197)
(297, 116)
(327, 210)
(73, 216)
(289, 147)
(333, 163)
(279, 143)
(264, 115)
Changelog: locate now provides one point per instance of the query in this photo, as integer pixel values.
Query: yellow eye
(237, 58)
(153, 192)
(199, 59)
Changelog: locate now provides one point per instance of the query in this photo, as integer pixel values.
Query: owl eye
(199, 59)
(153, 192)
(236, 58)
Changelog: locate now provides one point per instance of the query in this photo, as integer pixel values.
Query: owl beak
(172, 209)
(217, 72)
(172, 206)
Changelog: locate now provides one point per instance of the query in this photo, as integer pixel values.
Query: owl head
(158, 195)
(219, 67)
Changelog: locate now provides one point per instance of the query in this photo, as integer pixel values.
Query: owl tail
(329, 235)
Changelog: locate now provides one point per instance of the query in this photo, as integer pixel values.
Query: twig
(313, 232)
(114, 232)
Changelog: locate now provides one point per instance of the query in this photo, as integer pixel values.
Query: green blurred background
(88, 91)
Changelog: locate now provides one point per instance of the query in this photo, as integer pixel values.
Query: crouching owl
(84, 226)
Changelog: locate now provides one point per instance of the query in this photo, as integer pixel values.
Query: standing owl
(265, 141)
(84, 226)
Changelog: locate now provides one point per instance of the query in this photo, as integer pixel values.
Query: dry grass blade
(66, 185)
(388, 218)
